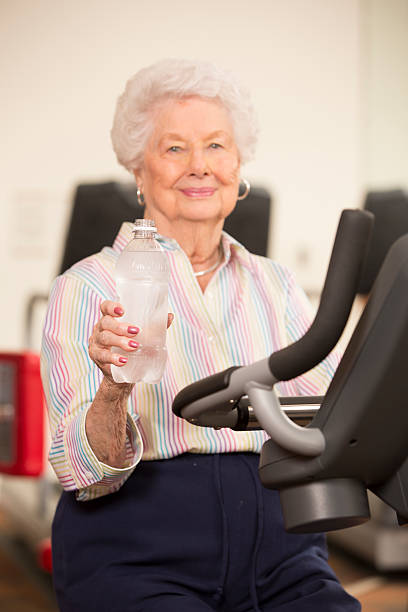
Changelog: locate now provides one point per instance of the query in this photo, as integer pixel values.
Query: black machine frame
(357, 437)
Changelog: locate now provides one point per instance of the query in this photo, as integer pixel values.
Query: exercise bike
(324, 453)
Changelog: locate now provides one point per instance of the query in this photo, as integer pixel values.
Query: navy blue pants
(191, 534)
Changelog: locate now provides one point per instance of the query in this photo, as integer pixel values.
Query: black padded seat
(390, 210)
(99, 210)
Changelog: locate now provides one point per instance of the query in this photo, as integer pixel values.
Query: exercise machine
(356, 437)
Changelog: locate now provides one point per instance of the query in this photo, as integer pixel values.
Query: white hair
(172, 78)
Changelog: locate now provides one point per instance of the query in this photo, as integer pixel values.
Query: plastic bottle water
(141, 276)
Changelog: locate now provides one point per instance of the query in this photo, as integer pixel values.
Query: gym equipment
(99, 210)
(390, 210)
(21, 415)
(358, 438)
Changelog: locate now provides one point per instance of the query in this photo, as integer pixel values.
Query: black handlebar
(337, 298)
(338, 293)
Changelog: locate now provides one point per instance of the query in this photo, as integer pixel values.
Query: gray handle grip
(309, 442)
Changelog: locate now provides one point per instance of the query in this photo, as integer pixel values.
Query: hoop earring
(140, 197)
(247, 185)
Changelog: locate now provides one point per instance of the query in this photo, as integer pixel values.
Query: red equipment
(21, 414)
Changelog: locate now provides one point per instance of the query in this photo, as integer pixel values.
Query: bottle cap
(146, 225)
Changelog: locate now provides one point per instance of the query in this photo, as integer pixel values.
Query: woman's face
(191, 164)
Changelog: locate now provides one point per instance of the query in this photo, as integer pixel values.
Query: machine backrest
(99, 210)
(390, 210)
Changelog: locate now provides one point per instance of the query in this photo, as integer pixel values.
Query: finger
(108, 339)
(104, 358)
(114, 309)
(170, 318)
(121, 328)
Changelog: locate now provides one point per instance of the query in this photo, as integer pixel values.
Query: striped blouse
(250, 308)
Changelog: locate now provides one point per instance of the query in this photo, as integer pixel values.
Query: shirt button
(211, 338)
(89, 474)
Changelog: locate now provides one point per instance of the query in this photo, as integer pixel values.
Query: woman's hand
(109, 332)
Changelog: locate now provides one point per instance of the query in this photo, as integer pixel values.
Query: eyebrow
(174, 136)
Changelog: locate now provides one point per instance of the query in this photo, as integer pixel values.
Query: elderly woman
(158, 514)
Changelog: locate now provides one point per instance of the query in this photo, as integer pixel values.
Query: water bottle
(141, 277)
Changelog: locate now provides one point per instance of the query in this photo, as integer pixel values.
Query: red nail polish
(133, 344)
(119, 311)
(132, 330)
(123, 359)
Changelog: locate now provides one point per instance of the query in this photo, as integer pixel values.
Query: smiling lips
(198, 192)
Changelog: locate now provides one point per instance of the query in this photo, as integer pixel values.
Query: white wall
(64, 63)
(384, 35)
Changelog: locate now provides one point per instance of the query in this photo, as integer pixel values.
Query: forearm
(106, 423)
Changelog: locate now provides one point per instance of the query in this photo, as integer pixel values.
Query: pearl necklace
(213, 267)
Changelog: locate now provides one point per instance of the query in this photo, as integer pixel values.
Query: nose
(198, 163)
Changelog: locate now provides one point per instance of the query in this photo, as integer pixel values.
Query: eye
(174, 149)
(215, 145)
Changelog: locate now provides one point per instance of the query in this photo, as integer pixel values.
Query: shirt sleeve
(71, 380)
(299, 315)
